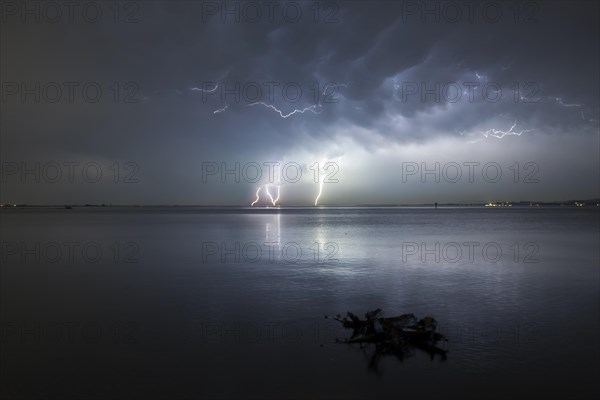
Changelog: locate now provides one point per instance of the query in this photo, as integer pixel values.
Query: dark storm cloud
(369, 52)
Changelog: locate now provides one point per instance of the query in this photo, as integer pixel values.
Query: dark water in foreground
(229, 303)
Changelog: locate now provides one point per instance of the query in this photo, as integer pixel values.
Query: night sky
(374, 88)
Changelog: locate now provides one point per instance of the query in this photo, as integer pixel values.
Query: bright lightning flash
(257, 196)
(499, 134)
(321, 170)
(321, 181)
(273, 200)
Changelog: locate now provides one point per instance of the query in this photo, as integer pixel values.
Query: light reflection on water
(214, 327)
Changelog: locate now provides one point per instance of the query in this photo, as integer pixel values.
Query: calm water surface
(111, 303)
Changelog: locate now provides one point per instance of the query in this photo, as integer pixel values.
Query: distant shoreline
(518, 204)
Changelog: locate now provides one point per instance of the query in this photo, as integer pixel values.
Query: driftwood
(397, 336)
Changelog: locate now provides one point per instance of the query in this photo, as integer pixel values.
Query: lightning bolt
(273, 200)
(498, 133)
(197, 89)
(269, 194)
(321, 181)
(208, 90)
(315, 108)
(220, 110)
(559, 101)
(257, 197)
(320, 191)
(296, 111)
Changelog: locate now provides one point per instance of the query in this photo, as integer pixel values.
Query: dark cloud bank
(374, 76)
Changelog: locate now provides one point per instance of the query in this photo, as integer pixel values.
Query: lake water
(182, 303)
